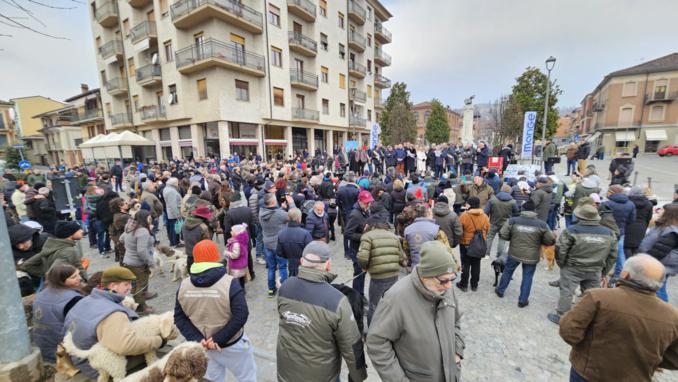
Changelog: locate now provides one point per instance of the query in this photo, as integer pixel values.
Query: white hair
(636, 265)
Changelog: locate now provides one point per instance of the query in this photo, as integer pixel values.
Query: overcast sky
(449, 49)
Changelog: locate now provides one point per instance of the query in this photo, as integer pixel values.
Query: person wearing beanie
(527, 234)
(404, 316)
(474, 219)
(59, 249)
(211, 309)
(101, 318)
(586, 254)
(499, 209)
(624, 212)
(317, 327)
(448, 220)
(44, 210)
(635, 230)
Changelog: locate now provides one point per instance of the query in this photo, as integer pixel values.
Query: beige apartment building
(422, 111)
(215, 77)
(62, 137)
(28, 128)
(634, 106)
(6, 125)
(87, 112)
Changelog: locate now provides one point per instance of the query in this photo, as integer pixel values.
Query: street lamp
(550, 63)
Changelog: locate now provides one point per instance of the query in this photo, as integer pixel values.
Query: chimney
(84, 88)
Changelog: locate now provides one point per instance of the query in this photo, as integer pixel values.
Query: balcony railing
(153, 112)
(142, 31)
(382, 81)
(357, 10)
(184, 7)
(305, 78)
(382, 56)
(661, 97)
(379, 29)
(300, 39)
(107, 13)
(116, 85)
(121, 119)
(379, 103)
(357, 67)
(87, 115)
(356, 38)
(305, 114)
(148, 71)
(305, 5)
(214, 49)
(354, 120)
(110, 48)
(357, 95)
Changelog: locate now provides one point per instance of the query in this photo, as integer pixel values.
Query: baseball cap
(365, 197)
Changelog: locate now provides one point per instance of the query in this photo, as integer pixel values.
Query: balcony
(306, 115)
(356, 95)
(90, 115)
(598, 108)
(139, 3)
(116, 86)
(190, 13)
(214, 53)
(379, 104)
(356, 12)
(142, 31)
(356, 41)
(121, 120)
(153, 114)
(107, 14)
(381, 58)
(661, 97)
(382, 34)
(303, 80)
(111, 49)
(355, 121)
(149, 75)
(356, 70)
(381, 81)
(302, 8)
(302, 44)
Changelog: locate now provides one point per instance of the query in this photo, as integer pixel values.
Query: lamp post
(550, 63)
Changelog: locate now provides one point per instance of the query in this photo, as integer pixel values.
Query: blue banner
(528, 134)
(351, 145)
(374, 135)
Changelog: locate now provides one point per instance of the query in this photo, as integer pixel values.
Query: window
(324, 74)
(323, 42)
(369, 13)
(660, 89)
(163, 7)
(169, 53)
(131, 67)
(341, 20)
(342, 110)
(165, 134)
(278, 97)
(276, 56)
(342, 51)
(626, 116)
(103, 77)
(125, 27)
(656, 113)
(369, 66)
(273, 15)
(108, 108)
(184, 132)
(369, 91)
(629, 89)
(342, 81)
(242, 90)
(135, 102)
(174, 99)
(323, 8)
(202, 89)
(3, 140)
(326, 106)
(369, 39)
(369, 115)
(427, 114)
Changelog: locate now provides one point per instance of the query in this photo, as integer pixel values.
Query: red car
(668, 150)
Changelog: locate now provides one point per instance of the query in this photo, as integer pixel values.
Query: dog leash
(354, 277)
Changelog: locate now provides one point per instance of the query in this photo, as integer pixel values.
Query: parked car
(668, 150)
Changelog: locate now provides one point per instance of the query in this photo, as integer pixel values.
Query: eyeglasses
(446, 281)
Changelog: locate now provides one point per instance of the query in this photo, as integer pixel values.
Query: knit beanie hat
(435, 260)
(64, 229)
(473, 202)
(206, 251)
(115, 274)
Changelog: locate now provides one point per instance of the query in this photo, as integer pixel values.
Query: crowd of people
(413, 220)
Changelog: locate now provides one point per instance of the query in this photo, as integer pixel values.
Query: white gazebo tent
(115, 146)
(89, 146)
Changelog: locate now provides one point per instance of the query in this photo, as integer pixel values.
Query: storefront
(275, 142)
(299, 140)
(211, 134)
(243, 139)
(655, 138)
(319, 140)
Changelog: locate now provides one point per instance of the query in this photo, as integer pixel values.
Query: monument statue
(467, 131)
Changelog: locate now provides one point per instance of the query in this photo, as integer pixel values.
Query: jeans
(273, 263)
(526, 282)
(501, 245)
(661, 293)
(548, 166)
(260, 241)
(359, 281)
(438, 171)
(171, 232)
(237, 358)
(376, 290)
(469, 264)
(571, 166)
(621, 257)
(466, 168)
(568, 221)
(118, 183)
(575, 377)
(552, 218)
(103, 241)
(569, 279)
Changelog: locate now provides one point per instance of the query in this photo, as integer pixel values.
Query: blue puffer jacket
(318, 226)
(623, 210)
(292, 240)
(347, 196)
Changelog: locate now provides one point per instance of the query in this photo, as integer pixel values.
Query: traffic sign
(18, 147)
(24, 165)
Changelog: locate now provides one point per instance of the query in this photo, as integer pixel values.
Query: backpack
(478, 246)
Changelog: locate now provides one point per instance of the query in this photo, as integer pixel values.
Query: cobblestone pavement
(503, 342)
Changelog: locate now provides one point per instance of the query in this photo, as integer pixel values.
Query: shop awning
(625, 136)
(655, 135)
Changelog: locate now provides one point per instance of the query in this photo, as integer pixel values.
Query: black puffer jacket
(45, 214)
(397, 201)
(635, 230)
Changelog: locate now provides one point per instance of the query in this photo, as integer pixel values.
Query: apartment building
(28, 129)
(634, 106)
(87, 112)
(215, 77)
(62, 137)
(422, 111)
(6, 125)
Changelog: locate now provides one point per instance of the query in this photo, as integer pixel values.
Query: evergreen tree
(529, 94)
(397, 122)
(12, 157)
(437, 126)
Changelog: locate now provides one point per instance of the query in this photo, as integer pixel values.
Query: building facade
(215, 77)
(422, 111)
(88, 112)
(62, 137)
(28, 128)
(6, 125)
(634, 106)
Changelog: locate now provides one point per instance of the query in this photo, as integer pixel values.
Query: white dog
(179, 267)
(109, 364)
(129, 303)
(186, 362)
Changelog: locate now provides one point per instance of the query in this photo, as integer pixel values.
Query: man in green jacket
(415, 334)
(57, 250)
(550, 154)
(317, 327)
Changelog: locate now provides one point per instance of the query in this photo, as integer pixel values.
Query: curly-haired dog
(107, 363)
(185, 363)
(549, 253)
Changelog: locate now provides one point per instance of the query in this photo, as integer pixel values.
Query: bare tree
(20, 15)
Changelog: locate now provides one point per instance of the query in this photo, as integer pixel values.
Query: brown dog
(548, 252)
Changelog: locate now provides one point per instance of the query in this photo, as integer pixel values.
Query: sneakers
(524, 304)
(260, 260)
(271, 292)
(554, 283)
(554, 317)
(462, 288)
(500, 295)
